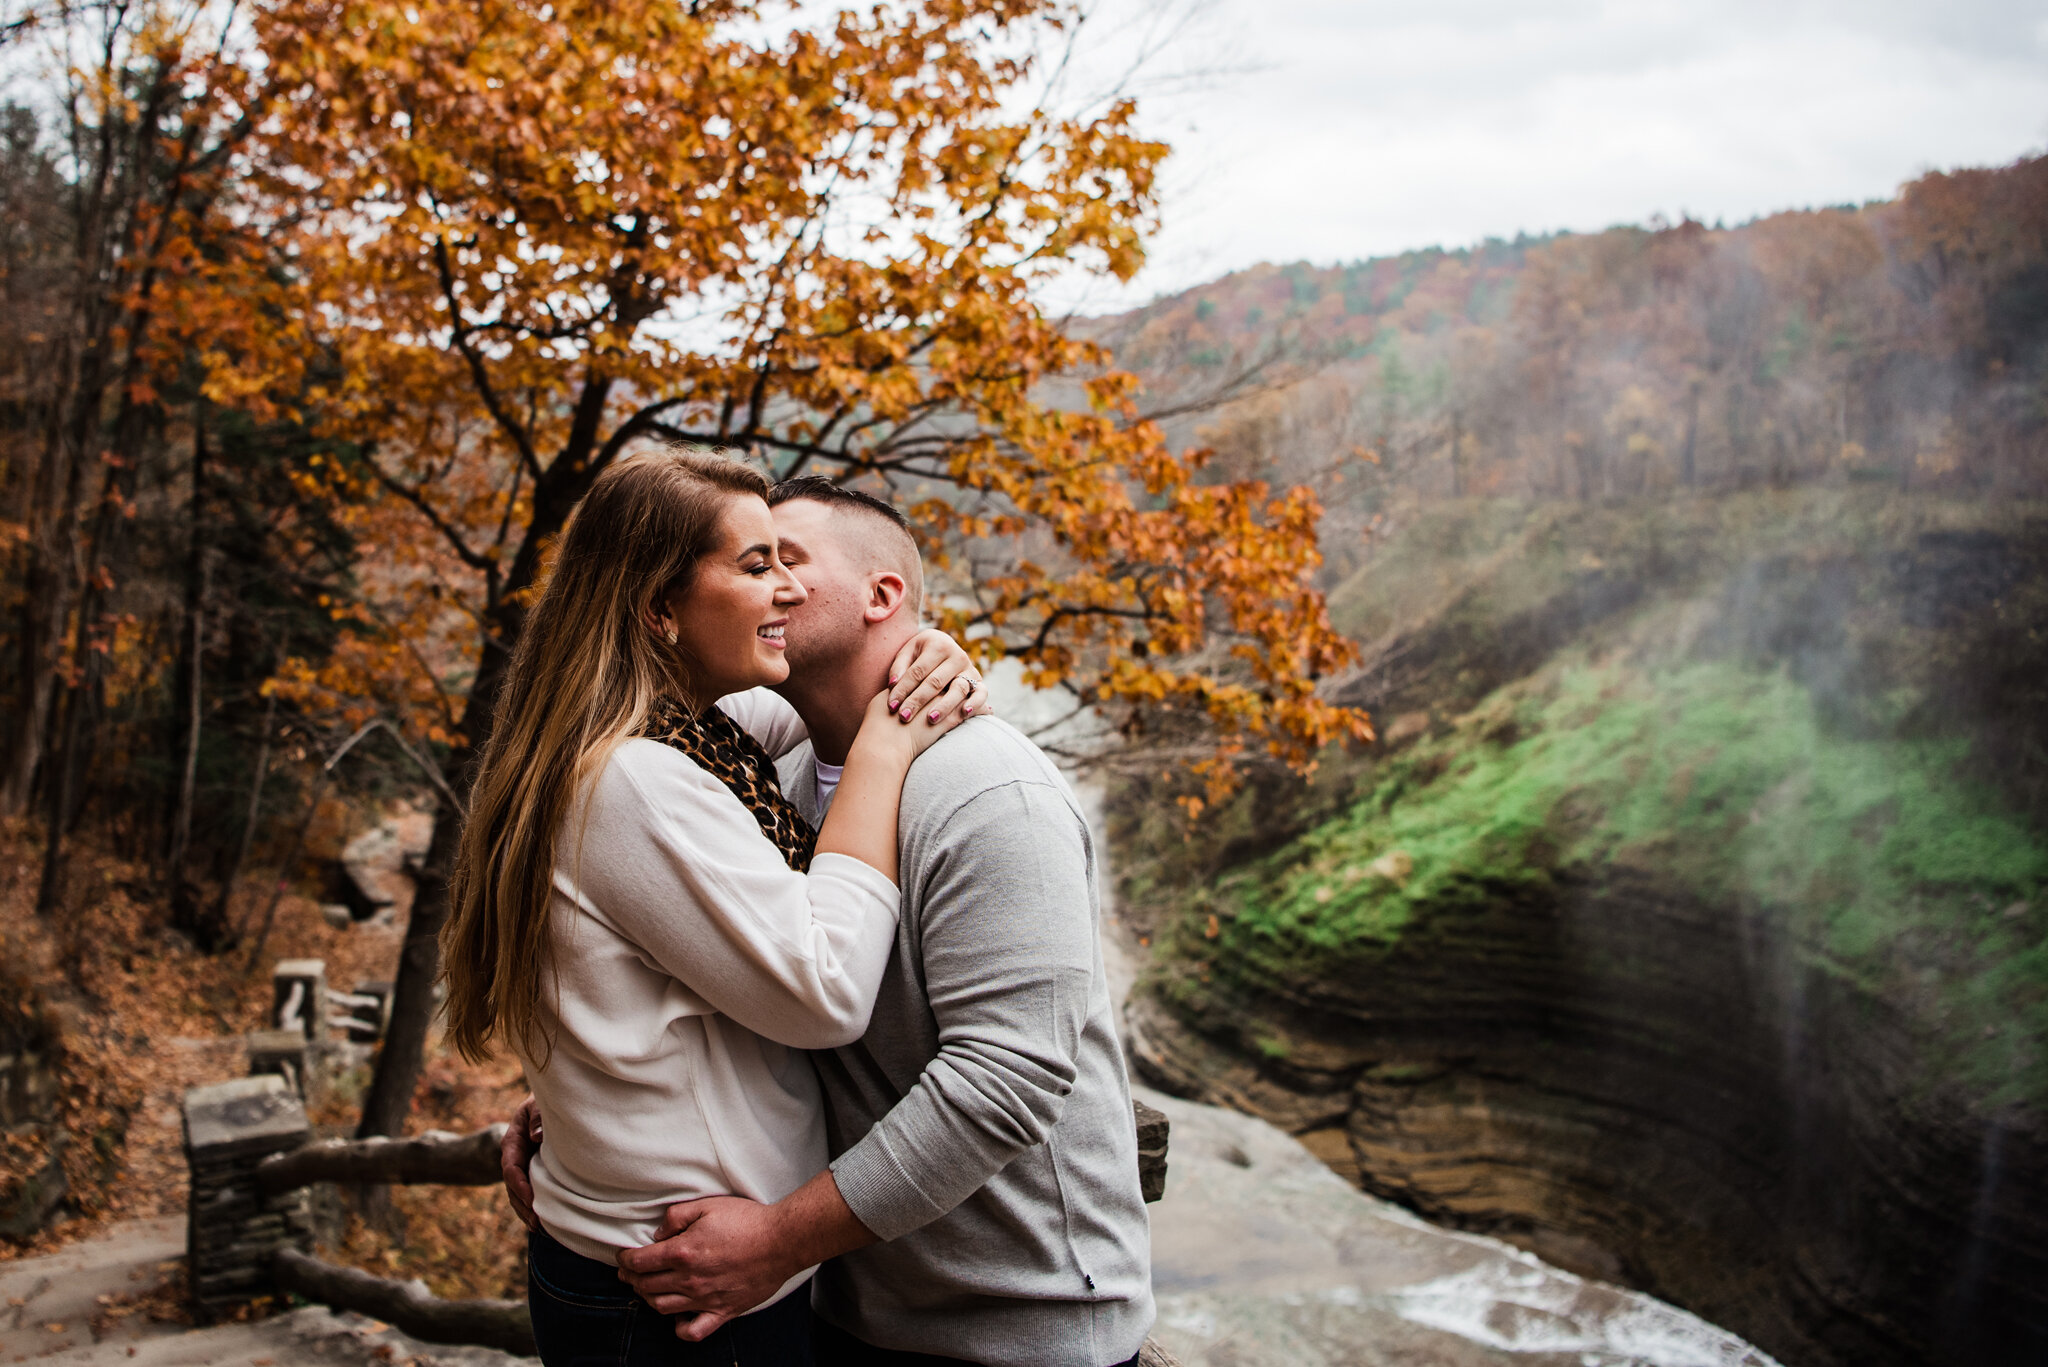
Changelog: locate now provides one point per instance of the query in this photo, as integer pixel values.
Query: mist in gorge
(1685, 923)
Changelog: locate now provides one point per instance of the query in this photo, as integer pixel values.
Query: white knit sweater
(690, 966)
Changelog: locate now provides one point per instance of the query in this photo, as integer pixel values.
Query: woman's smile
(731, 619)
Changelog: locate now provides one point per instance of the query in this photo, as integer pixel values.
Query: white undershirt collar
(828, 783)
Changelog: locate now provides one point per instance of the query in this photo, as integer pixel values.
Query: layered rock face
(1698, 944)
(1646, 1090)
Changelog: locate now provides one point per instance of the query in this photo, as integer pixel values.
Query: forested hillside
(1898, 342)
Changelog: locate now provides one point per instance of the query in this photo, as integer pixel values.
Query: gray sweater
(982, 1126)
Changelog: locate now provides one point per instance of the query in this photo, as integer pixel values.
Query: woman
(641, 916)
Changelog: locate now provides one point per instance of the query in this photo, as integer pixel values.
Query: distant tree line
(1903, 341)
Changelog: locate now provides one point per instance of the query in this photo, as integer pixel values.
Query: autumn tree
(520, 236)
(160, 556)
(147, 111)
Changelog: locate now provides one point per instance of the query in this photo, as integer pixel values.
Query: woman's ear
(886, 593)
(659, 620)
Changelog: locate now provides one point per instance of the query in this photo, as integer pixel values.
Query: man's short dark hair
(819, 489)
(902, 542)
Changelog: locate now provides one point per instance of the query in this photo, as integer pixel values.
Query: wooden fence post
(282, 1052)
(364, 1012)
(299, 997)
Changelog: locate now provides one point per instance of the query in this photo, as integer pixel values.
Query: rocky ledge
(1262, 1258)
(1653, 1091)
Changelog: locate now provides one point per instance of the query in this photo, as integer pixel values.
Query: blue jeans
(584, 1316)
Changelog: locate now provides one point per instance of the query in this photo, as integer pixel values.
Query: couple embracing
(806, 982)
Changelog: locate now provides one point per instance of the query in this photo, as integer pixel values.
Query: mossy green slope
(1821, 708)
(1881, 857)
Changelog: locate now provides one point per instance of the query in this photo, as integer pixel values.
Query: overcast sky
(1329, 130)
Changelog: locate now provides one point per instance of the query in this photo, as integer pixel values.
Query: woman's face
(731, 617)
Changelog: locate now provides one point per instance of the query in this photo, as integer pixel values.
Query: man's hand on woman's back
(720, 1256)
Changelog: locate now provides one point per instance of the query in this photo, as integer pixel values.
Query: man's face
(828, 626)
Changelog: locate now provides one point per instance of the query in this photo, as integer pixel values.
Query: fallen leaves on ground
(133, 1016)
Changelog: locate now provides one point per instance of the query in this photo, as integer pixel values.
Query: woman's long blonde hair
(586, 671)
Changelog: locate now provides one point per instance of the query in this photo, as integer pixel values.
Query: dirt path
(113, 1300)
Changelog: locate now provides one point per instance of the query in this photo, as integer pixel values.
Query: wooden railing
(431, 1159)
(434, 1158)
(252, 1157)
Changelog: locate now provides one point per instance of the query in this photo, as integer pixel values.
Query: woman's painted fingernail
(934, 716)
(893, 678)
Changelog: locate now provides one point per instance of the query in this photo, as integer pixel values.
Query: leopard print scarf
(718, 745)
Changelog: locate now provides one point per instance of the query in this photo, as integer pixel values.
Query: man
(983, 1202)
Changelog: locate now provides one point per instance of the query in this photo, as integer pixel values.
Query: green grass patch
(1717, 781)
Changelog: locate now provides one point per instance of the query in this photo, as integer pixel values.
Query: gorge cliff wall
(1689, 925)
(1650, 1091)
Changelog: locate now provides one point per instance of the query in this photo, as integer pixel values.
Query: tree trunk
(219, 913)
(61, 785)
(189, 665)
(57, 809)
(43, 608)
(284, 873)
(188, 912)
(72, 434)
(1738, 438)
(50, 589)
(1457, 464)
(110, 521)
(1583, 467)
(389, 1099)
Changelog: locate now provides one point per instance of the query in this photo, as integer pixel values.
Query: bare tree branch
(522, 440)
(476, 561)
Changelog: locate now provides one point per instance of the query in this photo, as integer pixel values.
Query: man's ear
(886, 593)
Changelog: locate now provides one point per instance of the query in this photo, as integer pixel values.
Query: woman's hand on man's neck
(832, 697)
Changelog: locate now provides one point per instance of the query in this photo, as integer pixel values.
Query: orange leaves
(507, 241)
(369, 672)
(1975, 232)
(1148, 585)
